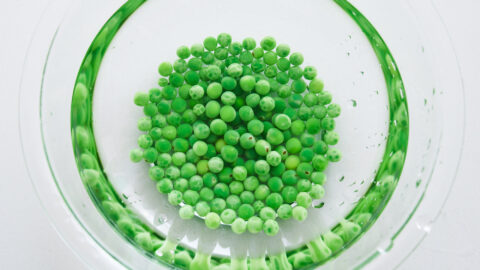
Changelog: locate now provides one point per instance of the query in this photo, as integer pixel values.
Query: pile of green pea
(238, 134)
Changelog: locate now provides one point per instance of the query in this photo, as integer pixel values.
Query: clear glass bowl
(360, 51)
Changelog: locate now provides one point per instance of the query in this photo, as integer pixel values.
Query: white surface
(29, 242)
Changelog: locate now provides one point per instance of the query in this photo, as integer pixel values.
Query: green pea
(284, 211)
(239, 226)
(165, 69)
(212, 220)
(254, 224)
(228, 216)
(270, 227)
(183, 52)
(299, 213)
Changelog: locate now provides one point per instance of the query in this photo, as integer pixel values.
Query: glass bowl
(401, 128)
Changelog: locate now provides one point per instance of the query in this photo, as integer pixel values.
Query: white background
(28, 241)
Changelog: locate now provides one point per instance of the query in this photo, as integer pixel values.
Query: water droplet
(354, 102)
(318, 205)
(418, 183)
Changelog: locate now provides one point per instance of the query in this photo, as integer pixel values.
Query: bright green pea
(274, 158)
(227, 113)
(261, 192)
(165, 185)
(334, 155)
(299, 86)
(333, 110)
(172, 172)
(201, 131)
(327, 123)
(228, 98)
(202, 208)
(304, 185)
(247, 197)
(235, 70)
(282, 121)
(218, 127)
(141, 99)
(252, 100)
(309, 72)
(231, 137)
(283, 50)
(197, 49)
(245, 211)
(271, 72)
(175, 197)
(268, 43)
(183, 52)
(316, 85)
(206, 194)
(162, 82)
(324, 98)
(156, 173)
(212, 109)
(236, 187)
(186, 212)
(274, 200)
(239, 226)
(228, 83)
(254, 224)
(212, 220)
(304, 199)
(245, 58)
(221, 53)
(249, 43)
(224, 39)
(239, 173)
(192, 77)
(176, 80)
(289, 194)
(331, 137)
(188, 170)
(145, 141)
(181, 184)
(267, 104)
(251, 183)
(299, 213)
(165, 69)
(296, 58)
(215, 164)
(218, 205)
(267, 213)
(196, 92)
(214, 90)
(270, 227)
(213, 72)
(229, 153)
(317, 192)
(228, 216)
(200, 148)
(262, 87)
(209, 180)
(210, 43)
(150, 155)
(233, 202)
(306, 155)
(270, 58)
(284, 211)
